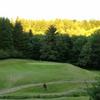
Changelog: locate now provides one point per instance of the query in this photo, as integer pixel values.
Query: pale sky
(50, 9)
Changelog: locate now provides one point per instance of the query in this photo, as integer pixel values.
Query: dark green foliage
(48, 48)
(21, 41)
(90, 54)
(6, 40)
(4, 54)
(63, 47)
(94, 92)
(15, 54)
(78, 43)
(6, 29)
(25, 45)
(35, 43)
(56, 47)
(17, 35)
(95, 45)
(85, 55)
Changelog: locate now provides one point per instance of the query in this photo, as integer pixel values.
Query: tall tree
(6, 29)
(78, 43)
(35, 46)
(21, 40)
(17, 35)
(90, 55)
(48, 51)
(6, 40)
(63, 47)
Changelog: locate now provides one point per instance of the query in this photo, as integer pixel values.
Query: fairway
(26, 77)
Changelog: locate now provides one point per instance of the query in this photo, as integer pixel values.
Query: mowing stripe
(10, 90)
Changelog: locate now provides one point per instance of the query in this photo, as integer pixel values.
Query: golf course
(24, 79)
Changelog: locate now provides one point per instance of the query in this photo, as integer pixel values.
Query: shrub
(94, 92)
(4, 54)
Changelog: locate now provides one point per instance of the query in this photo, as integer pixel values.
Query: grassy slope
(18, 72)
(14, 72)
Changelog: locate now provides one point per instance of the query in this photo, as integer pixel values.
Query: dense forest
(64, 26)
(76, 42)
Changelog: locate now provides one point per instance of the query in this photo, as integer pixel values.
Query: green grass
(53, 91)
(52, 88)
(16, 72)
(67, 98)
(61, 98)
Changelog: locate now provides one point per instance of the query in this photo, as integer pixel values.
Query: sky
(50, 9)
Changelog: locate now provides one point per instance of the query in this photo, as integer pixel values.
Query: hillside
(19, 76)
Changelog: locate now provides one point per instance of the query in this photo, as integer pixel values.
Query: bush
(94, 93)
(15, 54)
(4, 54)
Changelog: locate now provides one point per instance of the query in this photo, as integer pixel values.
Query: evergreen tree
(85, 55)
(35, 47)
(63, 47)
(26, 45)
(78, 43)
(30, 33)
(17, 35)
(6, 29)
(6, 40)
(90, 54)
(48, 49)
(17, 39)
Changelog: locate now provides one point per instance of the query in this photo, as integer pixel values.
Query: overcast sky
(50, 9)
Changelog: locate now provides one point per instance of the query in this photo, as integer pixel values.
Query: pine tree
(90, 54)
(48, 49)
(6, 40)
(6, 29)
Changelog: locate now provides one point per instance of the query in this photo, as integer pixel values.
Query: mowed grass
(66, 98)
(60, 98)
(51, 88)
(15, 72)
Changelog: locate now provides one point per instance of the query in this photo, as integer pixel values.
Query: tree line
(64, 26)
(51, 46)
